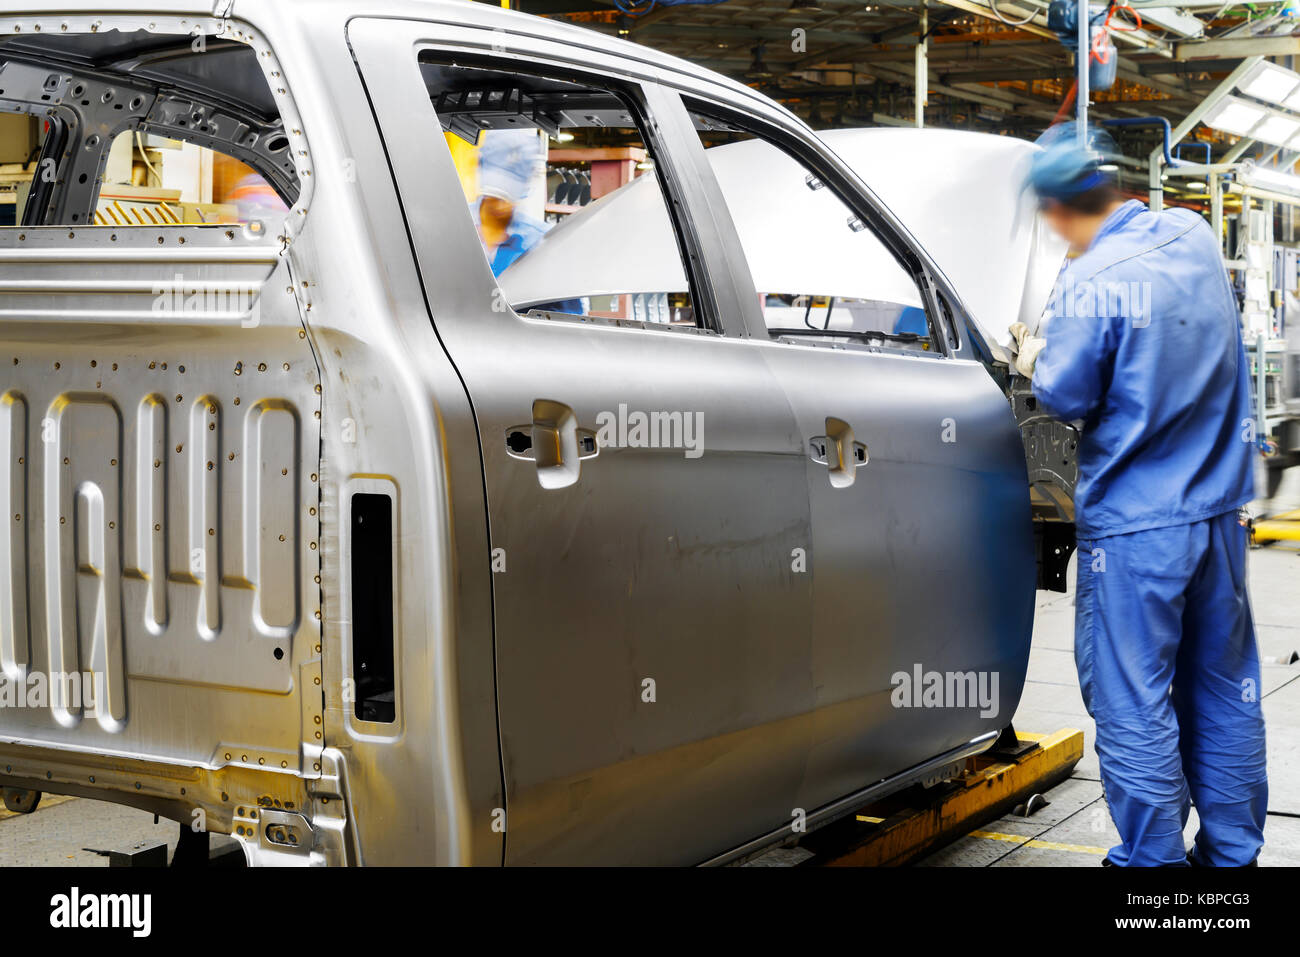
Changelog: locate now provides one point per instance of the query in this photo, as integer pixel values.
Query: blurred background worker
(508, 163)
(1143, 345)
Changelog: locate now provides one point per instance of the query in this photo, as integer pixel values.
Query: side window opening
(22, 137)
(135, 128)
(152, 180)
(821, 272)
(563, 189)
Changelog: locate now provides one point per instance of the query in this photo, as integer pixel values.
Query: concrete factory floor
(1074, 831)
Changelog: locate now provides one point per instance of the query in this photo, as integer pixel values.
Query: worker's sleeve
(1074, 367)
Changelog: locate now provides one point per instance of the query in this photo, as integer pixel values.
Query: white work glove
(1027, 348)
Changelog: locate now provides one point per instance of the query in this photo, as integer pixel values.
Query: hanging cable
(993, 5)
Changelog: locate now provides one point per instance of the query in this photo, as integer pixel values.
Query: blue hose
(1152, 121)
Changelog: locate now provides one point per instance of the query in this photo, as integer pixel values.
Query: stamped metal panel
(158, 416)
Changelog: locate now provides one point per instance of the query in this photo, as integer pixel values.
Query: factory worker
(508, 164)
(1143, 345)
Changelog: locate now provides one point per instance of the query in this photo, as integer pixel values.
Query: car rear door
(652, 630)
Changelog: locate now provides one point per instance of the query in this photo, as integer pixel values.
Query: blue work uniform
(1144, 346)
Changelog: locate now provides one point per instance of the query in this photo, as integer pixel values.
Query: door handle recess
(838, 451)
(554, 442)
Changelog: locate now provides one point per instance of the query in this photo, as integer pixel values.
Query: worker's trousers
(1165, 647)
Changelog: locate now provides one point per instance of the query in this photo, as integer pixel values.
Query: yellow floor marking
(1045, 845)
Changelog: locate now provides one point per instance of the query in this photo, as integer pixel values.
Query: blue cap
(1063, 169)
(507, 162)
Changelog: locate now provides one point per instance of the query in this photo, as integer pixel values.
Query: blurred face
(495, 211)
(1076, 228)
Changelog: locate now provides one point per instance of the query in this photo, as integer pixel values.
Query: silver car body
(184, 487)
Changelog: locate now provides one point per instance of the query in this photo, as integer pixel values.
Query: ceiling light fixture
(1270, 82)
(1236, 116)
(1262, 176)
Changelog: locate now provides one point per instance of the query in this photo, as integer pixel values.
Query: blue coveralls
(1144, 346)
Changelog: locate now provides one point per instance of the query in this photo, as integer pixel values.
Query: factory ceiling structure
(990, 65)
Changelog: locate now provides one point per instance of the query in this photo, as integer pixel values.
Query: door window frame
(856, 196)
(715, 312)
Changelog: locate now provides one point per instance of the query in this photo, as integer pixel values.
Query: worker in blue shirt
(508, 162)
(1143, 348)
